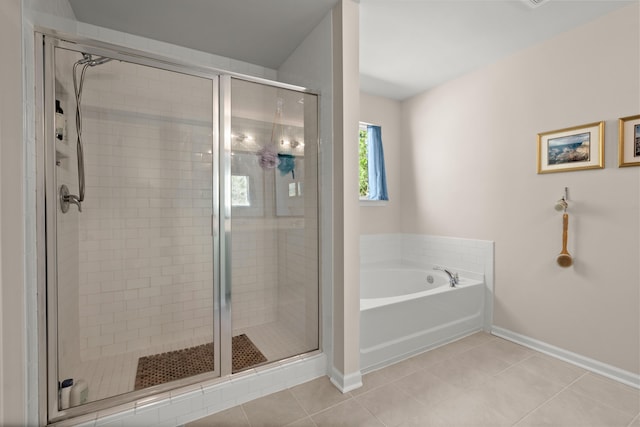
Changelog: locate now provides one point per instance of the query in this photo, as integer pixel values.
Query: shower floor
(111, 376)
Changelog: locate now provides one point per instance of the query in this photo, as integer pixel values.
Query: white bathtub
(402, 313)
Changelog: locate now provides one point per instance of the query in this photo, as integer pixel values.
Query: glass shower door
(133, 306)
(272, 231)
(173, 255)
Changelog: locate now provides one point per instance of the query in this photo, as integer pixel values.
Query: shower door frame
(46, 43)
(46, 40)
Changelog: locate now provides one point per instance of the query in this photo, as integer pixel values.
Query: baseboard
(346, 383)
(617, 374)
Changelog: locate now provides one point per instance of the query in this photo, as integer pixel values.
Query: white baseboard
(617, 374)
(346, 383)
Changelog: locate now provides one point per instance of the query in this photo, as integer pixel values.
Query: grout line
(246, 417)
(520, 362)
(372, 414)
(549, 399)
(589, 396)
(636, 418)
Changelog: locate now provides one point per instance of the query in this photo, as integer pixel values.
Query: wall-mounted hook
(562, 205)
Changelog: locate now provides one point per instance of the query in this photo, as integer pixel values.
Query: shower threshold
(115, 375)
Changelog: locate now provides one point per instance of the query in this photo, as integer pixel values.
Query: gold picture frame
(571, 149)
(629, 141)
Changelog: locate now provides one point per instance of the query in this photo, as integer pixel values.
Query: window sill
(367, 202)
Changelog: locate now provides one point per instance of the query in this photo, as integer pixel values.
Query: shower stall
(179, 214)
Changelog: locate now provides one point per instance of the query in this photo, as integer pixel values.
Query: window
(364, 163)
(372, 177)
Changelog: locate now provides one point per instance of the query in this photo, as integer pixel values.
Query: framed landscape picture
(629, 141)
(570, 149)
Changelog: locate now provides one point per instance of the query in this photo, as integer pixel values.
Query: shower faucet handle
(66, 199)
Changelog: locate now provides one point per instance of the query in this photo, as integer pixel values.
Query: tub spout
(453, 277)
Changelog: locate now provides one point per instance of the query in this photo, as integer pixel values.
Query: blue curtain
(377, 176)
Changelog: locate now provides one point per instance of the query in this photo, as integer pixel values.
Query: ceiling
(409, 46)
(261, 32)
(406, 46)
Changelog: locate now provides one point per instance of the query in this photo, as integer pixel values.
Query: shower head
(99, 61)
(88, 60)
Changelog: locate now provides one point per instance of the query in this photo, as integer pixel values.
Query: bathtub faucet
(453, 277)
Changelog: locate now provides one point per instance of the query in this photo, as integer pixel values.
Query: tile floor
(480, 380)
(111, 376)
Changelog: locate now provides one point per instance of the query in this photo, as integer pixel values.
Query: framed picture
(629, 141)
(571, 149)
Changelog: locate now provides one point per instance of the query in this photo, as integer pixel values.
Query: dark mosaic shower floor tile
(174, 365)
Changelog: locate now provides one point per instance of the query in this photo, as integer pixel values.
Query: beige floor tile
(305, 422)
(402, 369)
(478, 338)
(431, 357)
(482, 358)
(277, 409)
(317, 395)
(459, 346)
(390, 404)
(571, 409)
(515, 392)
(517, 379)
(478, 381)
(439, 354)
(609, 392)
(427, 388)
(505, 350)
(233, 417)
(373, 380)
(426, 417)
(347, 414)
(465, 410)
(458, 374)
(552, 368)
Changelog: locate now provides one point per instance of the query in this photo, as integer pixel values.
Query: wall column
(12, 231)
(346, 233)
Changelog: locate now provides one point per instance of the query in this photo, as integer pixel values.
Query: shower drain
(430, 279)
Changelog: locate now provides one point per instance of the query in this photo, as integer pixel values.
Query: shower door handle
(66, 199)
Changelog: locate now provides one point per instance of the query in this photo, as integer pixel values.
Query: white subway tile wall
(469, 255)
(145, 246)
(254, 272)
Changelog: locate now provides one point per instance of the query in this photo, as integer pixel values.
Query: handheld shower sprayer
(79, 70)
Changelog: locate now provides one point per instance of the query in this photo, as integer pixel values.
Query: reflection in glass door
(134, 296)
(273, 240)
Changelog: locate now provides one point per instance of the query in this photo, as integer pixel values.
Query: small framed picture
(629, 141)
(571, 149)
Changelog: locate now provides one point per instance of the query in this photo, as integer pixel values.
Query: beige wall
(384, 112)
(346, 249)
(12, 304)
(469, 150)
